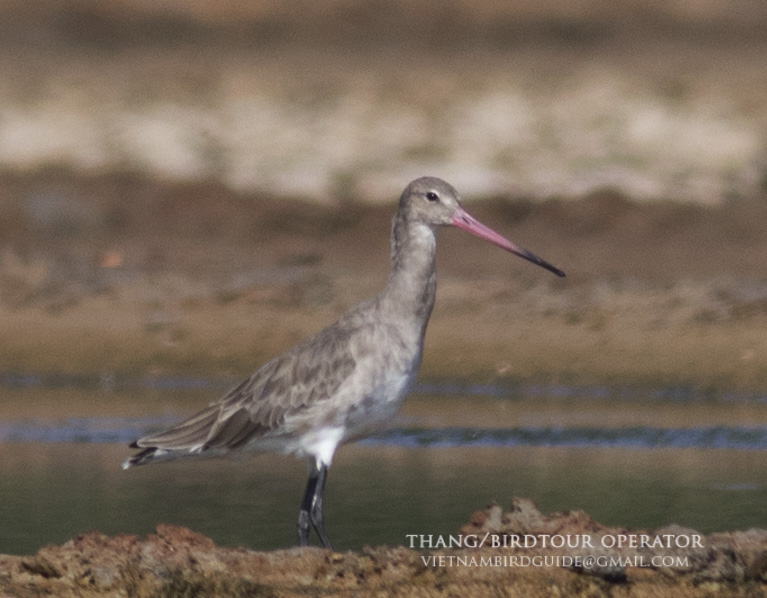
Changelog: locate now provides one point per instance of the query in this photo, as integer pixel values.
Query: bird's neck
(409, 294)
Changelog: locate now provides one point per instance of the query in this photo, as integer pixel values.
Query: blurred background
(188, 188)
(661, 99)
(166, 165)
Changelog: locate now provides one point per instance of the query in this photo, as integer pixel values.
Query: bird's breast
(384, 379)
(377, 406)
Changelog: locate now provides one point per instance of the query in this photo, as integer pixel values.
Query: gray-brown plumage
(348, 378)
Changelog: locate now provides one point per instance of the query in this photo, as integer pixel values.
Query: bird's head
(433, 202)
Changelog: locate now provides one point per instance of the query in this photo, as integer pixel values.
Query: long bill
(463, 220)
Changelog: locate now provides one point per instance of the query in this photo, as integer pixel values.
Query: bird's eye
(431, 196)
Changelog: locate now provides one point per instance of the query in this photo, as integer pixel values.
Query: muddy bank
(602, 561)
(124, 275)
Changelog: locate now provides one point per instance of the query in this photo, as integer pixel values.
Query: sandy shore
(537, 111)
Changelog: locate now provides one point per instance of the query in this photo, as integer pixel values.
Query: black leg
(306, 506)
(311, 507)
(316, 512)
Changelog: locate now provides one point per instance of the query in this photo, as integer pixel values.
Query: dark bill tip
(465, 221)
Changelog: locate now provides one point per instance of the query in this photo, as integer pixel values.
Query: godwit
(348, 378)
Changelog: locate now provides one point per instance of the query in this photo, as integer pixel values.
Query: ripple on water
(125, 430)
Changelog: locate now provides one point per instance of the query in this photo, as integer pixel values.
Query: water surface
(628, 457)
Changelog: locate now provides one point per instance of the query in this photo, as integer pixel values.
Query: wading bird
(347, 379)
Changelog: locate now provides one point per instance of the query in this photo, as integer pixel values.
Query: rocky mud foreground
(522, 553)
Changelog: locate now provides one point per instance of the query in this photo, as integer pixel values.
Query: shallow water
(628, 457)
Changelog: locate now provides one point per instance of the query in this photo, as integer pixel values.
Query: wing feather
(184, 436)
(307, 375)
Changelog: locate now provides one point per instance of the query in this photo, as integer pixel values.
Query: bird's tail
(145, 456)
(189, 436)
